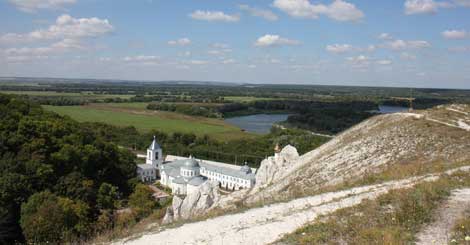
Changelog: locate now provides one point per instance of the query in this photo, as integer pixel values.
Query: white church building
(183, 175)
(148, 172)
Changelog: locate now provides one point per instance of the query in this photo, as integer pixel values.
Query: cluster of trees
(59, 180)
(187, 109)
(251, 150)
(418, 103)
(59, 101)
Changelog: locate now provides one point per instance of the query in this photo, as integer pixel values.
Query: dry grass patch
(393, 218)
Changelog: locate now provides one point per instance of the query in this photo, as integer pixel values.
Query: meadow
(88, 95)
(135, 114)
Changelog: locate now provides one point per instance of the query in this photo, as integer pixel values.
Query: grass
(461, 231)
(62, 94)
(134, 114)
(393, 218)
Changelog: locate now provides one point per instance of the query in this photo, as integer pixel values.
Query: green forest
(59, 179)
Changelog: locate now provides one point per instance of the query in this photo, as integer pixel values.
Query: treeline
(418, 103)
(251, 150)
(60, 181)
(188, 109)
(59, 101)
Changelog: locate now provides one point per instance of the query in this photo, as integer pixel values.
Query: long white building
(183, 175)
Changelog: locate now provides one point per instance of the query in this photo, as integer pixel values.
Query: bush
(46, 218)
(142, 201)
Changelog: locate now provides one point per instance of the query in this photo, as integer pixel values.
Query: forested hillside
(57, 178)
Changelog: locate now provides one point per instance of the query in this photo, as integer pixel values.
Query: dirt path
(439, 231)
(269, 223)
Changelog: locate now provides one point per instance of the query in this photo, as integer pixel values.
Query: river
(258, 123)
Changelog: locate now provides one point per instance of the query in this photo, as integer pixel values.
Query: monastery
(185, 174)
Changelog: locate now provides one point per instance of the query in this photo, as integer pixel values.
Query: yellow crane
(409, 99)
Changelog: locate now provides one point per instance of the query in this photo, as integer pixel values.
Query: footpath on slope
(269, 223)
(439, 231)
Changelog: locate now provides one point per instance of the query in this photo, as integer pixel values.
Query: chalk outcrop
(273, 167)
(194, 204)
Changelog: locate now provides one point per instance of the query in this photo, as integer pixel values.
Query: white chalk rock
(194, 204)
(272, 168)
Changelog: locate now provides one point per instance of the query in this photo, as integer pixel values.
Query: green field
(133, 114)
(61, 94)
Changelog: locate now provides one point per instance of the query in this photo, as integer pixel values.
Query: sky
(406, 43)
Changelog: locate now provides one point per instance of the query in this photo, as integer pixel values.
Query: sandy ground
(269, 223)
(439, 231)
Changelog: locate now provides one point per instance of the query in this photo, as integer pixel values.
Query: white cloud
(220, 45)
(214, 16)
(424, 6)
(198, 62)
(146, 60)
(407, 56)
(31, 6)
(265, 14)
(403, 45)
(219, 51)
(338, 10)
(180, 42)
(274, 40)
(385, 36)
(273, 61)
(141, 58)
(384, 62)
(228, 61)
(184, 54)
(29, 53)
(454, 34)
(360, 61)
(339, 48)
(65, 27)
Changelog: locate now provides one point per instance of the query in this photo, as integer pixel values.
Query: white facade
(149, 171)
(228, 181)
(146, 173)
(154, 154)
(184, 175)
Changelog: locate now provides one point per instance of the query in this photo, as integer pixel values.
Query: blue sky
(417, 43)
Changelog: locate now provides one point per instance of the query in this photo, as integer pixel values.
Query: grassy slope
(393, 218)
(134, 114)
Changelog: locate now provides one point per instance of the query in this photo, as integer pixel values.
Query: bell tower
(154, 154)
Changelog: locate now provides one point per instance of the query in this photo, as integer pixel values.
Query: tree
(142, 201)
(41, 218)
(107, 196)
(46, 218)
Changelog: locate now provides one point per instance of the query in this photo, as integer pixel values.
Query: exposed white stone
(272, 168)
(194, 204)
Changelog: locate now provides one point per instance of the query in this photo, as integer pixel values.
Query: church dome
(245, 169)
(191, 163)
